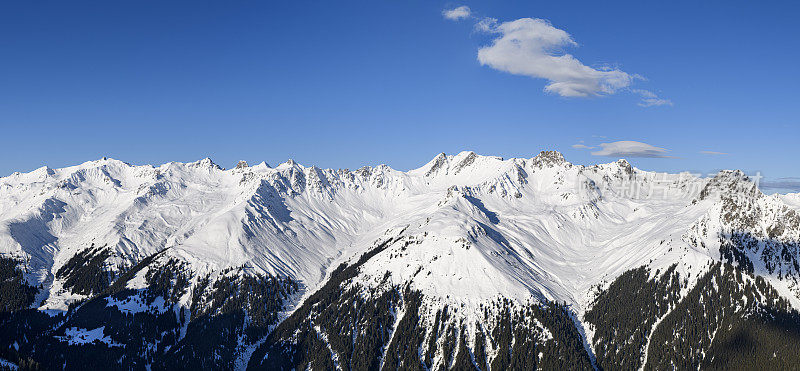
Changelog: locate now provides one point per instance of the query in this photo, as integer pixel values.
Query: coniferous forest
(729, 319)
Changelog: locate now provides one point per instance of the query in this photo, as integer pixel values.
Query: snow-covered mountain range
(450, 265)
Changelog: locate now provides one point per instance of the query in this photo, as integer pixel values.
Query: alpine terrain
(469, 262)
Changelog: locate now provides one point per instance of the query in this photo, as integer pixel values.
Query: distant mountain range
(469, 262)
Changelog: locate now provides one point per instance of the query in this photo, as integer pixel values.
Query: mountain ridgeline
(469, 263)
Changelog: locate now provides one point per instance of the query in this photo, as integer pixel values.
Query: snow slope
(469, 228)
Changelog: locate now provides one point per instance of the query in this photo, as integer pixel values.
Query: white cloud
(457, 14)
(582, 146)
(629, 148)
(533, 47)
(714, 153)
(650, 99)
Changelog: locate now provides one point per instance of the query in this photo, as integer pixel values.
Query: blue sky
(346, 84)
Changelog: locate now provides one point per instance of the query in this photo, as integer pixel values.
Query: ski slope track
(463, 231)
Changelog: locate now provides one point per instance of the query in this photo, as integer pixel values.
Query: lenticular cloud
(630, 148)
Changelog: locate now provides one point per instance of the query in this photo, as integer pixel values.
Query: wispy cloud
(582, 146)
(486, 24)
(630, 149)
(781, 185)
(715, 153)
(650, 99)
(458, 13)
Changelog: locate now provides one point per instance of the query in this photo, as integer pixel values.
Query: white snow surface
(79, 336)
(135, 304)
(473, 227)
(790, 199)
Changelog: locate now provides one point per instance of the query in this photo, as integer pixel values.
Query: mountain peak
(262, 165)
(732, 182)
(206, 163)
(434, 165)
(625, 166)
(289, 164)
(549, 158)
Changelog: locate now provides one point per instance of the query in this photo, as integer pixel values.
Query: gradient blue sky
(346, 84)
